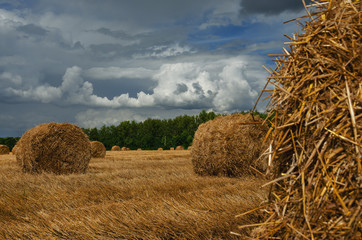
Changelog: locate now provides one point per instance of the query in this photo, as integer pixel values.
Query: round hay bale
(229, 145)
(172, 148)
(4, 149)
(123, 149)
(128, 149)
(160, 149)
(139, 149)
(115, 148)
(180, 148)
(98, 149)
(189, 148)
(60, 148)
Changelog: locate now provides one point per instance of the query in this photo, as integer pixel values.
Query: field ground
(126, 195)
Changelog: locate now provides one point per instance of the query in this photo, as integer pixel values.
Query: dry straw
(59, 148)
(98, 149)
(316, 117)
(229, 146)
(160, 149)
(4, 149)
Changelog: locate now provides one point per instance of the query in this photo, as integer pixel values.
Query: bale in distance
(98, 149)
(160, 149)
(172, 148)
(4, 149)
(179, 148)
(115, 148)
(123, 149)
(60, 148)
(139, 149)
(229, 146)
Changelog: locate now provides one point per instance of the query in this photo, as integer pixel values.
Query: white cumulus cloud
(106, 73)
(74, 90)
(234, 89)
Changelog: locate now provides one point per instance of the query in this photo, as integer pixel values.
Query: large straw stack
(317, 120)
(60, 148)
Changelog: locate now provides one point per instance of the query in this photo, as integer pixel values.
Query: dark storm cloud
(270, 7)
(115, 34)
(107, 50)
(181, 88)
(32, 29)
(198, 88)
(137, 12)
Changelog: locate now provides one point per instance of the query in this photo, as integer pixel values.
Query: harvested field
(126, 195)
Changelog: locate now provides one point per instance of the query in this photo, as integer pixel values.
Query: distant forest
(150, 134)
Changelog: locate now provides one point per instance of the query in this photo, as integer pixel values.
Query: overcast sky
(96, 62)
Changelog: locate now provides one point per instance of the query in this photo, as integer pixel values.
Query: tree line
(150, 134)
(9, 141)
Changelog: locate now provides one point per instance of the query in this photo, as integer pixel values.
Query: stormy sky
(93, 62)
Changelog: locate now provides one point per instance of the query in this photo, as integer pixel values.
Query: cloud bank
(220, 85)
(99, 62)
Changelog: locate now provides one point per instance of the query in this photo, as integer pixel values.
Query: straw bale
(189, 148)
(316, 116)
(123, 149)
(139, 149)
(98, 149)
(115, 148)
(160, 149)
(172, 148)
(60, 148)
(4, 149)
(229, 146)
(179, 148)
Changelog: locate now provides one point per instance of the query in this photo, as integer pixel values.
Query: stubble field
(126, 195)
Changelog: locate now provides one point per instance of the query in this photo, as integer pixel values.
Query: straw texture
(13, 151)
